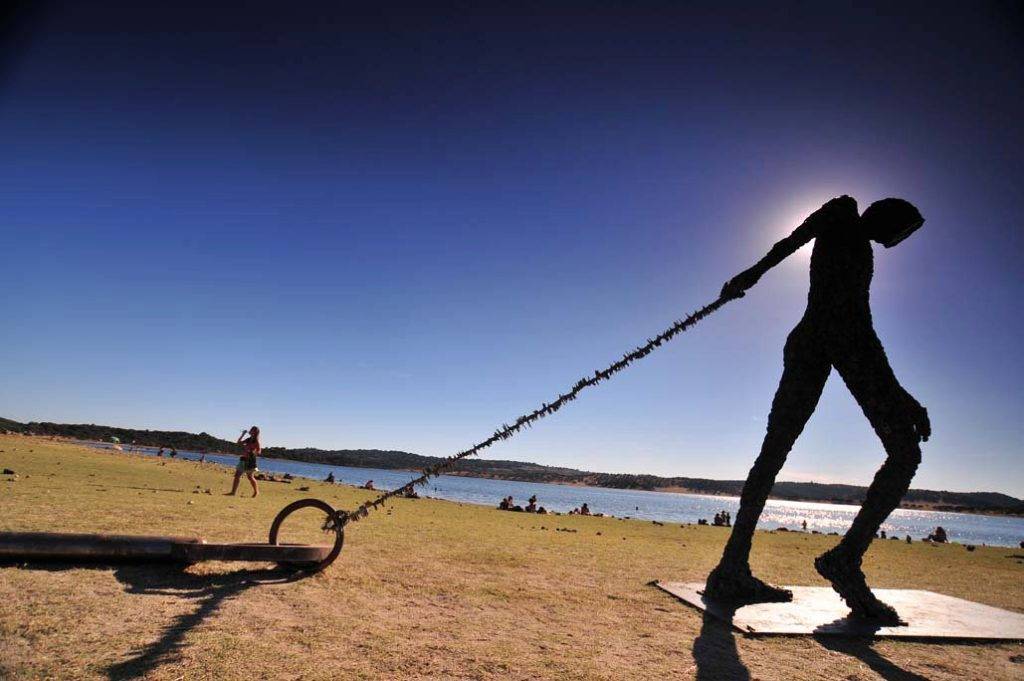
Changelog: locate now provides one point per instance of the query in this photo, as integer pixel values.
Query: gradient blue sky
(397, 228)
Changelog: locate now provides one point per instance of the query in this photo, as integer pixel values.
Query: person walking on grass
(250, 441)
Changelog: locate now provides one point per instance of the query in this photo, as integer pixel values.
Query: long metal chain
(546, 409)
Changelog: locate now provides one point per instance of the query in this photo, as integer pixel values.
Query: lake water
(965, 528)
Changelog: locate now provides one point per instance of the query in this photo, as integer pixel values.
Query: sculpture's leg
(803, 378)
(870, 379)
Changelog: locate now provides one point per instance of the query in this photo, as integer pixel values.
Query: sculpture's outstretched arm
(832, 212)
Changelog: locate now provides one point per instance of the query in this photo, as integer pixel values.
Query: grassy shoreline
(428, 589)
(912, 506)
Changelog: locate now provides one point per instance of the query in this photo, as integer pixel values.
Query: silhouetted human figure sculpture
(836, 331)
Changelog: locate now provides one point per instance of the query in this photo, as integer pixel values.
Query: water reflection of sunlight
(662, 506)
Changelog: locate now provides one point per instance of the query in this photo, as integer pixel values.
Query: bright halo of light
(792, 213)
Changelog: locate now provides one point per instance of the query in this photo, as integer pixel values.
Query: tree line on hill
(992, 502)
(203, 442)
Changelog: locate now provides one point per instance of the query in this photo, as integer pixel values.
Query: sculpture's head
(890, 221)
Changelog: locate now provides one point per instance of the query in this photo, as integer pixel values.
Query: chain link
(506, 431)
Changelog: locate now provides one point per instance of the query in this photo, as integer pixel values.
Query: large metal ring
(335, 522)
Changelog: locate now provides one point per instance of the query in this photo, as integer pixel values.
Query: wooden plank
(60, 546)
(273, 553)
(56, 546)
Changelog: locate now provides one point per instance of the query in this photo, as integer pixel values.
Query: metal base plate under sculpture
(819, 611)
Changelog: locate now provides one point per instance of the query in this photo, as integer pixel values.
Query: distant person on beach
(584, 509)
(174, 452)
(369, 485)
(250, 441)
(531, 506)
(330, 478)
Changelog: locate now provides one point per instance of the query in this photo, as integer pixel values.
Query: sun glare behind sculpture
(791, 214)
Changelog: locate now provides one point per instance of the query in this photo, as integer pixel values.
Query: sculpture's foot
(738, 585)
(846, 577)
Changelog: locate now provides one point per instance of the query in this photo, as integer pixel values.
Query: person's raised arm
(808, 229)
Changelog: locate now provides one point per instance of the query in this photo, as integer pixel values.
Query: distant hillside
(7, 424)
(986, 502)
(148, 438)
(532, 472)
(391, 459)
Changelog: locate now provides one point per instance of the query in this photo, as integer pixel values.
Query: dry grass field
(431, 589)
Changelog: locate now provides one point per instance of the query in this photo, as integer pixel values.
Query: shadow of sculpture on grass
(715, 651)
(862, 649)
(209, 591)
